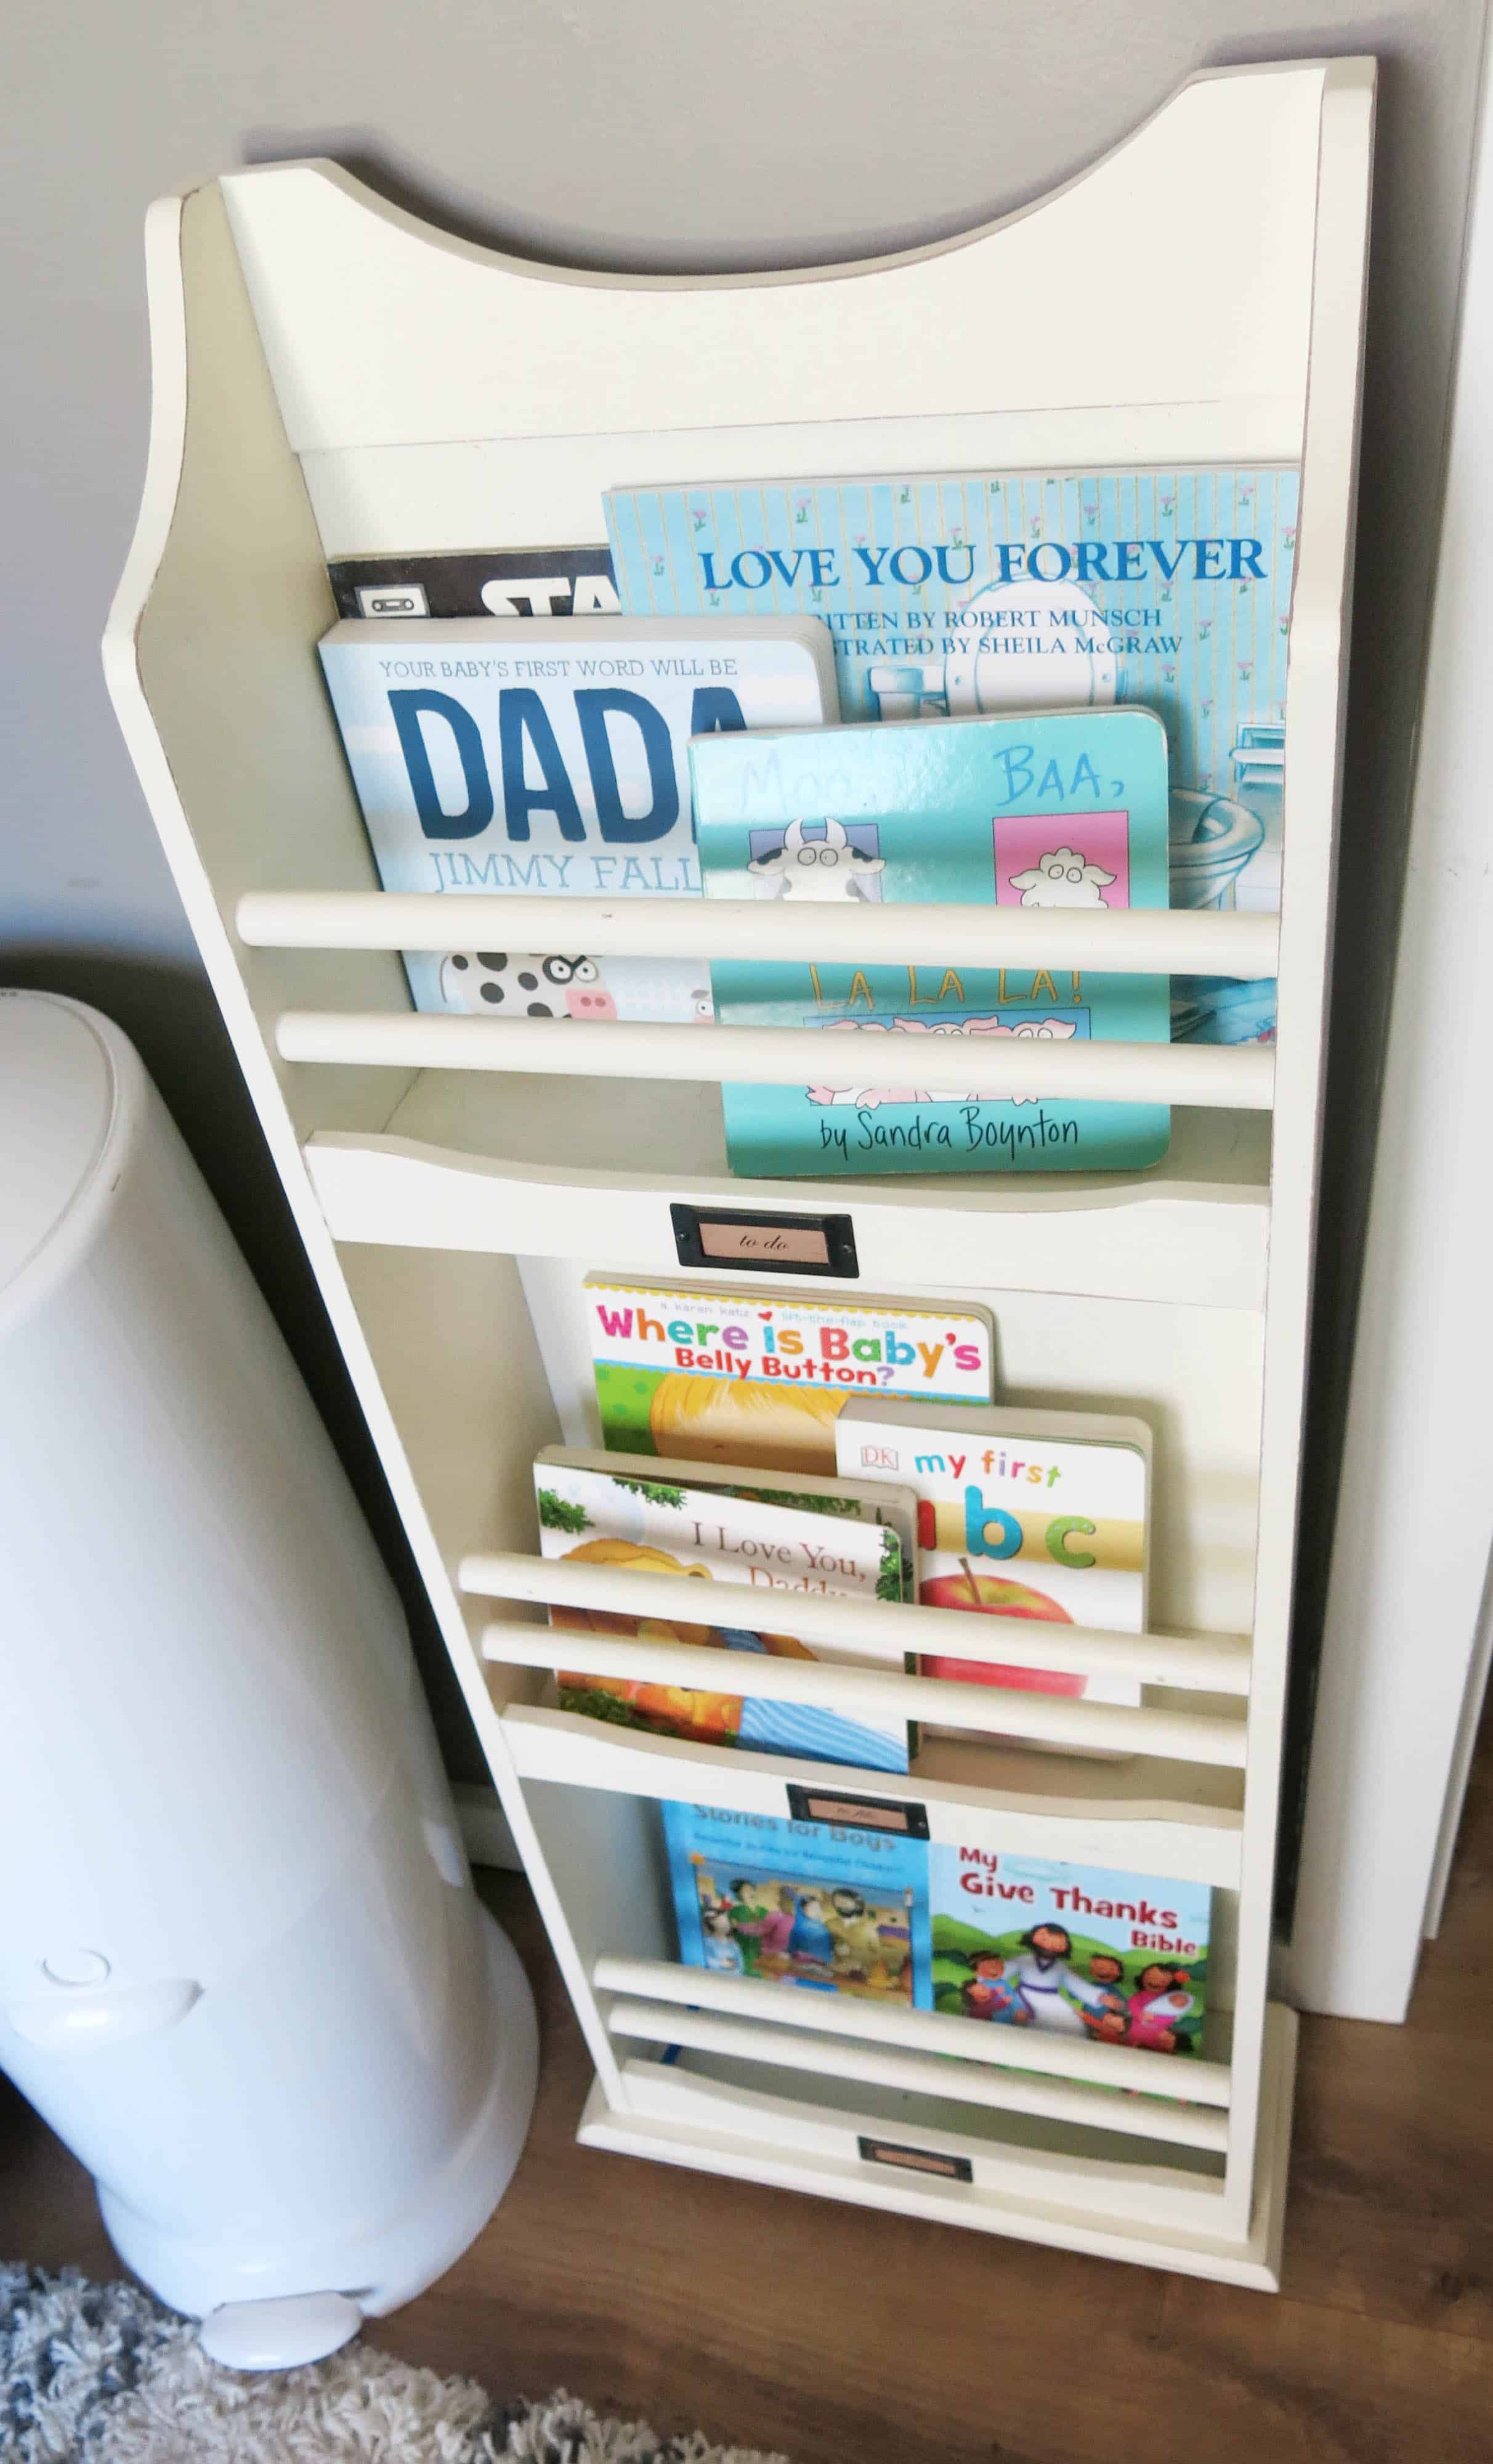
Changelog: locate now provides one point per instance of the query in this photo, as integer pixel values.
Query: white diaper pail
(243, 1972)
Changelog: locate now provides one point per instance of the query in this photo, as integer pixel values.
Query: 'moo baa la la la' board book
(1073, 1950)
(1017, 590)
(766, 1556)
(1053, 809)
(548, 756)
(1038, 1515)
(826, 1907)
(759, 1379)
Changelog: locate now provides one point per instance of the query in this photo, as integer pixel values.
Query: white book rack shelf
(334, 378)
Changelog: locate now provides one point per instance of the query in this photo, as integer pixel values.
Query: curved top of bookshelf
(381, 332)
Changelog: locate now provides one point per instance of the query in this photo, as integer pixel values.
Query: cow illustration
(816, 860)
(505, 984)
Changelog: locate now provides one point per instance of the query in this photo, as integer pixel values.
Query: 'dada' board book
(547, 755)
(827, 1907)
(1060, 810)
(776, 1554)
(748, 1378)
(1036, 1515)
(1070, 1949)
(988, 592)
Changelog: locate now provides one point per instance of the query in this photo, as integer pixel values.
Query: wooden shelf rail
(1192, 2080)
(939, 2074)
(1187, 941)
(1237, 1077)
(1208, 1663)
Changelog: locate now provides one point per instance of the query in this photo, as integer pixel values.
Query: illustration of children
(744, 1420)
(759, 1923)
(810, 1942)
(1160, 2001)
(722, 1951)
(1105, 2014)
(990, 1994)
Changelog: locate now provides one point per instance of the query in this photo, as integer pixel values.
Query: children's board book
(1037, 1515)
(547, 754)
(825, 1906)
(860, 1501)
(1016, 1941)
(1052, 809)
(990, 591)
(1077, 1951)
(710, 1535)
(477, 582)
(758, 1380)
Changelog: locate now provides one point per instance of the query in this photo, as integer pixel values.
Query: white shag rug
(101, 2374)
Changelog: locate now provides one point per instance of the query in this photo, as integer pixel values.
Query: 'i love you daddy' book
(1056, 809)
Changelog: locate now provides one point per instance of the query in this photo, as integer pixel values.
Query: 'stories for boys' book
(835, 1910)
(989, 591)
(1036, 1515)
(774, 1554)
(543, 754)
(1071, 1950)
(1060, 810)
(760, 1378)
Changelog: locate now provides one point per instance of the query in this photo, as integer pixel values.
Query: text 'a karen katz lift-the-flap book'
(764, 1558)
(825, 1906)
(546, 754)
(1041, 1516)
(1025, 590)
(1062, 810)
(760, 1379)
(1070, 1949)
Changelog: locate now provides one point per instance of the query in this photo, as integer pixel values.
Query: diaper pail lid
(58, 1094)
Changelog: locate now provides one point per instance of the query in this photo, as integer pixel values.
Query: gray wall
(633, 133)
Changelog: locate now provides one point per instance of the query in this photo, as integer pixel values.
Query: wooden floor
(845, 2338)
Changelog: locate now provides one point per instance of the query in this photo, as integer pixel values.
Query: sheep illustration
(868, 1099)
(823, 867)
(1064, 878)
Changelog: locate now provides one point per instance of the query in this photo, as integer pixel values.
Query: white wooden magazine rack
(332, 378)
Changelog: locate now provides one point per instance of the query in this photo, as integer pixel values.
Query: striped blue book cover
(996, 591)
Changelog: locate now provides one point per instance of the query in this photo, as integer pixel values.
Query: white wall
(1405, 1648)
(647, 132)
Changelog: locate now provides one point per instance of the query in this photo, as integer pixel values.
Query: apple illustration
(996, 1595)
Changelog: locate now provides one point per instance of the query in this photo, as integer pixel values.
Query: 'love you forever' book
(1056, 809)
(547, 755)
